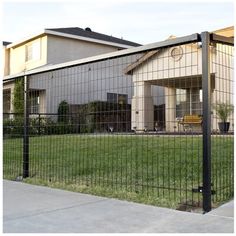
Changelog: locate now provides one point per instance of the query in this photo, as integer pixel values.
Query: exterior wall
(64, 49)
(85, 83)
(53, 50)
(18, 61)
(6, 59)
(162, 66)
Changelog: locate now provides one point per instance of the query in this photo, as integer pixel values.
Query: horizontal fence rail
(130, 125)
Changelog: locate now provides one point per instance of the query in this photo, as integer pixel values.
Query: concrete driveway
(35, 209)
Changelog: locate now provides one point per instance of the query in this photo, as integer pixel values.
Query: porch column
(170, 103)
(142, 116)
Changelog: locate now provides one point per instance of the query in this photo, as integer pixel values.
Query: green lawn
(159, 170)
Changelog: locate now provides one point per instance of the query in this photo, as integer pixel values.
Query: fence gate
(152, 124)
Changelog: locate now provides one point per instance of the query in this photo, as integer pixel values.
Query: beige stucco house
(51, 47)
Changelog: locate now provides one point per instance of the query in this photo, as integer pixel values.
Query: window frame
(33, 51)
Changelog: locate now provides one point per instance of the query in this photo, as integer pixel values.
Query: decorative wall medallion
(176, 53)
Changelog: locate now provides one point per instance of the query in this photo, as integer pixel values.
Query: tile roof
(87, 32)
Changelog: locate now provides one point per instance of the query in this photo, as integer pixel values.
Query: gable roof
(88, 33)
(227, 32)
(129, 69)
(80, 34)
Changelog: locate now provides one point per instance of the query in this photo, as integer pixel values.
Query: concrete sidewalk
(35, 209)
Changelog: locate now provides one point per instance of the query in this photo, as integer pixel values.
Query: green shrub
(18, 96)
(223, 110)
(13, 127)
(63, 112)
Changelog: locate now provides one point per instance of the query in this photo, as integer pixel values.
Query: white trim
(32, 37)
(87, 39)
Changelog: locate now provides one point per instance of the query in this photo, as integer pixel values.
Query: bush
(63, 112)
(223, 110)
(13, 127)
(18, 96)
(40, 126)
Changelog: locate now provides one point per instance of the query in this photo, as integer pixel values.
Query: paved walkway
(35, 209)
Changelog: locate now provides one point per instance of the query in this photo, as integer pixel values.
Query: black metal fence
(152, 124)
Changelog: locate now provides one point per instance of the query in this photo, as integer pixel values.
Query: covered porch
(182, 98)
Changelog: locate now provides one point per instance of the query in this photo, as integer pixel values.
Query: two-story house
(54, 46)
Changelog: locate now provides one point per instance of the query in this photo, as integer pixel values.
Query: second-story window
(32, 51)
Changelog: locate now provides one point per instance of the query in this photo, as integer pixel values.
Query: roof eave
(25, 40)
(52, 32)
(129, 69)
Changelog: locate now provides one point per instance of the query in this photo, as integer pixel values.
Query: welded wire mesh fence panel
(13, 96)
(222, 122)
(128, 127)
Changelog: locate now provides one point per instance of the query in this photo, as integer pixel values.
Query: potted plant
(223, 111)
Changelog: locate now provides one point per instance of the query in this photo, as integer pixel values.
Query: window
(122, 99)
(112, 97)
(181, 96)
(32, 51)
(196, 101)
(34, 102)
(182, 102)
(117, 98)
(188, 101)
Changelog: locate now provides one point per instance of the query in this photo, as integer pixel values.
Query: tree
(18, 96)
(63, 112)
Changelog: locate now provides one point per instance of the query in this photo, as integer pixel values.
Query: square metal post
(206, 90)
(26, 129)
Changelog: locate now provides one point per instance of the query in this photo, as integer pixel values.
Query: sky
(141, 21)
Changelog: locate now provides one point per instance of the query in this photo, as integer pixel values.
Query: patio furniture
(189, 121)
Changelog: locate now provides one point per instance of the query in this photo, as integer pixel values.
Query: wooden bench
(190, 120)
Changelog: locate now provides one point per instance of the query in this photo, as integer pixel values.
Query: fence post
(26, 129)
(206, 90)
(39, 124)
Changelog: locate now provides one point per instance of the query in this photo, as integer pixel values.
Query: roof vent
(88, 29)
